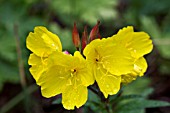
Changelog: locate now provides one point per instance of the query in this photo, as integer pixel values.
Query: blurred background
(20, 94)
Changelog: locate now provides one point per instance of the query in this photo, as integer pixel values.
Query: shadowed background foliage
(18, 92)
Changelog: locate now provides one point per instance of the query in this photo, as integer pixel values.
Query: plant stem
(108, 107)
(94, 91)
(19, 54)
(21, 68)
(103, 99)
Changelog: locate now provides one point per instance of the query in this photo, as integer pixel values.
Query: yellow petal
(34, 59)
(128, 78)
(72, 97)
(85, 71)
(74, 62)
(108, 83)
(119, 61)
(38, 66)
(140, 67)
(53, 81)
(98, 44)
(86, 76)
(138, 43)
(42, 42)
(125, 30)
(64, 70)
(62, 59)
(114, 58)
(78, 55)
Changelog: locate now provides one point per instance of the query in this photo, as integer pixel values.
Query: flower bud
(75, 37)
(95, 32)
(84, 38)
(98, 35)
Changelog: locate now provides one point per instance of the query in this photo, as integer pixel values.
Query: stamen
(73, 71)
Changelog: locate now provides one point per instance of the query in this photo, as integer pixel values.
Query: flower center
(98, 57)
(97, 60)
(73, 72)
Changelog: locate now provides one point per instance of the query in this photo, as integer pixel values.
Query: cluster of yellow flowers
(108, 61)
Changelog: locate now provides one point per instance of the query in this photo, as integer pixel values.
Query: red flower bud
(95, 32)
(75, 37)
(84, 38)
(98, 35)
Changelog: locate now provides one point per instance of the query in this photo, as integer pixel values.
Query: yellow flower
(68, 75)
(42, 43)
(139, 44)
(57, 72)
(108, 61)
(112, 61)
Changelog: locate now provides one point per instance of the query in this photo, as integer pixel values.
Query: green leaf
(163, 45)
(132, 111)
(125, 97)
(8, 73)
(7, 48)
(138, 87)
(153, 28)
(140, 104)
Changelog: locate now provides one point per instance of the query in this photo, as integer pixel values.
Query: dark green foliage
(151, 16)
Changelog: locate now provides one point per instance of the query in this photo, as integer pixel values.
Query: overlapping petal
(42, 42)
(108, 62)
(74, 96)
(139, 43)
(77, 62)
(114, 58)
(68, 75)
(108, 83)
(38, 65)
(140, 67)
